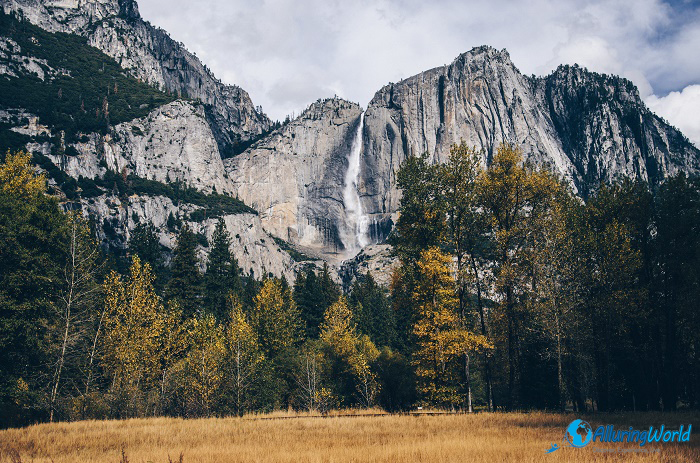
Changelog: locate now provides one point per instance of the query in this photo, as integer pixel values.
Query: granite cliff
(589, 128)
(302, 177)
(148, 53)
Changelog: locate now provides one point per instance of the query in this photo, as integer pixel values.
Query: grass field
(481, 437)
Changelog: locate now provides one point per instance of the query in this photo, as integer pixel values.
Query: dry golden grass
(483, 437)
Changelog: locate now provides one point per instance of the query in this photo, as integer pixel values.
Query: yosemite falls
(354, 235)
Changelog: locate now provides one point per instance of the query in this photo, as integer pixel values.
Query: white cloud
(681, 109)
(288, 53)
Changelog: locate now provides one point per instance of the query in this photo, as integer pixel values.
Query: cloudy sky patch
(287, 54)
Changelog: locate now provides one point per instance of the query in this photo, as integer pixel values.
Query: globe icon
(579, 433)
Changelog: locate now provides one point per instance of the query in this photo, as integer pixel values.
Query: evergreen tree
(421, 223)
(184, 286)
(144, 243)
(33, 249)
(676, 290)
(373, 314)
(222, 276)
(313, 295)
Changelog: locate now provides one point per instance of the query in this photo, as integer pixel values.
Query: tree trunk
(482, 316)
(560, 375)
(469, 384)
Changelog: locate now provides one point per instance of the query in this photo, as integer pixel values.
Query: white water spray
(356, 222)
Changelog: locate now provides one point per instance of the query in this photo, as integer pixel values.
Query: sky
(288, 53)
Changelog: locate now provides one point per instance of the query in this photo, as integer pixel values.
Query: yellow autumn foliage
(18, 178)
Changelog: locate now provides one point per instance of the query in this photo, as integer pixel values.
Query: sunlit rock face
(295, 177)
(587, 127)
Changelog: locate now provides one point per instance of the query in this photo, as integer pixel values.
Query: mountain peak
(129, 9)
(484, 56)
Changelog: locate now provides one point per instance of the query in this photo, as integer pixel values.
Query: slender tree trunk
(482, 319)
(67, 314)
(511, 348)
(59, 368)
(467, 374)
(560, 376)
(93, 351)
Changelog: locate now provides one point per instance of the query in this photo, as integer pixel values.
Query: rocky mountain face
(588, 127)
(173, 143)
(254, 249)
(148, 53)
(295, 177)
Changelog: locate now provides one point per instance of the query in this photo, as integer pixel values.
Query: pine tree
(144, 242)
(421, 223)
(373, 314)
(33, 250)
(222, 276)
(307, 295)
(184, 286)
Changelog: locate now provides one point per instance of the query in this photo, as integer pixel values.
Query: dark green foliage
(296, 255)
(397, 382)
(66, 183)
(373, 313)
(185, 282)
(422, 221)
(144, 243)
(32, 254)
(12, 140)
(214, 205)
(223, 275)
(173, 223)
(675, 297)
(75, 102)
(313, 295)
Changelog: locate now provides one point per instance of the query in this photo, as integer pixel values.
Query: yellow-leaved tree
(18, 178)
(243, 357)
(441, 338)
(349, 355)
(203, 367)
(515, 199)
(275, 318)
(133, 328)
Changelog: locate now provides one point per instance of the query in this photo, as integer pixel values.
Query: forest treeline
(511, 293)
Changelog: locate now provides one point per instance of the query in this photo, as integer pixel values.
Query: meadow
(281, 437)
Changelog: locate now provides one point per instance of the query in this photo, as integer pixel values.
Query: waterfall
(356, 222)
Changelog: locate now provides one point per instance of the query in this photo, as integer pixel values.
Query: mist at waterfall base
(356, 225)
